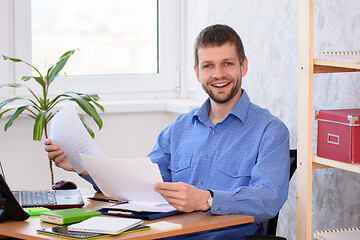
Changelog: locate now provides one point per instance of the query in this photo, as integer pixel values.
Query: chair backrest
(271, 224)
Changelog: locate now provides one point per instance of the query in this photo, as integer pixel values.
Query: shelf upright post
(305, 118)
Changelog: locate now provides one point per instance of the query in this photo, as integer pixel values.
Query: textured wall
(269, 33)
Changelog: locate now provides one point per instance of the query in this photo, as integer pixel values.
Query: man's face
(220, 73)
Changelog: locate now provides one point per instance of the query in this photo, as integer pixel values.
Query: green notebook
(67, 216)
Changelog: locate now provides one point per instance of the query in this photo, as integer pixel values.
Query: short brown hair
(218, 35)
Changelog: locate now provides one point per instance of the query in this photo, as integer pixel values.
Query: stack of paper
(105, 225)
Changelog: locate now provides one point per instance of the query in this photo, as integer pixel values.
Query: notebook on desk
(47, 198)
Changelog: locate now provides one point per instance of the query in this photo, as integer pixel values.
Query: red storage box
(339, 135)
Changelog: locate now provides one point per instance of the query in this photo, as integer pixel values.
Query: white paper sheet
(144, 207)
(130, 179)
(67, 130)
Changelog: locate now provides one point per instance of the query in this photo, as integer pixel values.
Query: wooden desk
(191, 222)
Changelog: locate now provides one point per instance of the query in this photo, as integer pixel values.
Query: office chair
(271, 224)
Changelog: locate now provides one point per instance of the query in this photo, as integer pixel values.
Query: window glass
(114, 36)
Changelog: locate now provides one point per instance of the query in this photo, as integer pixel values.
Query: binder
(338, 234)
(140, 215)
(344, 56)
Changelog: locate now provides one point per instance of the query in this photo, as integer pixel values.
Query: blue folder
(140, 215)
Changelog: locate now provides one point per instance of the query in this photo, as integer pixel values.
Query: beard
(224, 98)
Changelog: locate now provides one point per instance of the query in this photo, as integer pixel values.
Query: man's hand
(58, 155)
(182, 196)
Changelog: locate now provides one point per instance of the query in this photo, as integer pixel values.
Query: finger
(52, 147)
(55, 154)
(47, 141)
(59, 159)
(180, 205)
(170, 194)
(169, 186)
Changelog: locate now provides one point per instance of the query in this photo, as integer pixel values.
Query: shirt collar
(239, 110)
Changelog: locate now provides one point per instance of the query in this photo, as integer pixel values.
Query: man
(227, 157)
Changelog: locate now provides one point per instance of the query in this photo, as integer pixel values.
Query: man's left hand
(182, 196)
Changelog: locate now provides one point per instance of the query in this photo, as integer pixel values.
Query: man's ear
(197, 73)
(244, 67)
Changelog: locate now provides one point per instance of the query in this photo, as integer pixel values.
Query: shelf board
(325, 66)
(324, 162)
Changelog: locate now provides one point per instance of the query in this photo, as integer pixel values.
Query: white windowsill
(156, 105)
(175, 105)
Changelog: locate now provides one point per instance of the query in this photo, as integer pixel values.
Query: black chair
(271, 224)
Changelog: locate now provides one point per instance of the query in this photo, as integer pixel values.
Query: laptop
(70, 198)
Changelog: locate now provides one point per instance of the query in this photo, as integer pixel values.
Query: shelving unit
(308, 66)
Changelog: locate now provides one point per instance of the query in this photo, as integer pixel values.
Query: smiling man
(227, 157)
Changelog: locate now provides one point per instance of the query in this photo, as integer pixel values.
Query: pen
(120, 212)
(107, 200)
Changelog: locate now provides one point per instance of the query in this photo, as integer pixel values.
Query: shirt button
(235, 173)
(177, 167)
(207, 155)
(214, 131)
(200, 183)
(219, 210)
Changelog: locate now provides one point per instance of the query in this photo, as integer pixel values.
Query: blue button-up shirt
(243, 160)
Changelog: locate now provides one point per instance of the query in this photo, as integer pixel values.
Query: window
(105, 68)
(111, 38)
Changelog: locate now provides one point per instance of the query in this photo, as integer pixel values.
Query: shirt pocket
(180, 162)
(235, 173)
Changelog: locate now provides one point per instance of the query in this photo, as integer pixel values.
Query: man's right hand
(57, 154)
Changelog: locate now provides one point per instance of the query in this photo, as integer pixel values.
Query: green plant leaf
(9, 101)
(19, 60)
(42, 102)
(39, 125)
(49, 70)
(94, 96)
(37, 79)
(1, 114)
(87, 108)
(40, 80)
(99, 106)
(59, 66)
(26, 78)
(15, 85)
(86, 126)
(14, 116)
(70, 52)
(90, 97)
(12, 59)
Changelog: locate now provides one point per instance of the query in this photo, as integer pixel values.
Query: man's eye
(229, 63)
(207, 66)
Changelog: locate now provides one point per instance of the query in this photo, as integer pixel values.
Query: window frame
(164, 84)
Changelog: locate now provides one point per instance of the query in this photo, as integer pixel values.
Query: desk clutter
(67, 216)
(82, 223)
(105, 225)
(63, 231)
(144, 211)
(35, 211)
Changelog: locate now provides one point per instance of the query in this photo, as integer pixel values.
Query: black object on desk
(9, 207)
(107, 200)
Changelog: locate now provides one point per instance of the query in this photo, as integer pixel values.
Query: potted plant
(41, 107)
